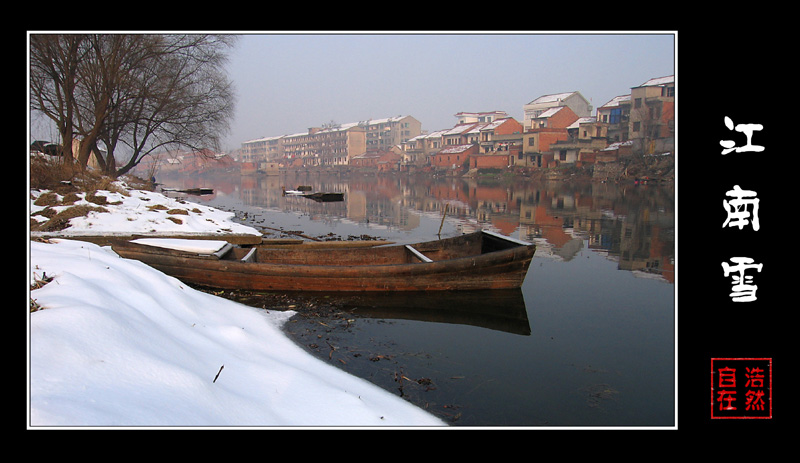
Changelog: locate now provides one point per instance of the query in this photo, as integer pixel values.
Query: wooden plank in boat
(324, 244)
(109, 239)
(204, 249)
(212, 248)
(418, 254)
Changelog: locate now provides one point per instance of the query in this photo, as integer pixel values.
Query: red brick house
(490, 161)
(453, 157)
(554, 118)
(389, 162)
(382, 161)
(500, 135)
(369, 159)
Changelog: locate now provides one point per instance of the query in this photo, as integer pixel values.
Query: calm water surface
(588, 341)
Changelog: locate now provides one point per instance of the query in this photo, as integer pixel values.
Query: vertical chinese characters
(755, 388)
(742, 209)
(726, 395)
(741, 388)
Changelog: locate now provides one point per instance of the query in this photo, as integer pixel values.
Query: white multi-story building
(573, 100)
(333, 144)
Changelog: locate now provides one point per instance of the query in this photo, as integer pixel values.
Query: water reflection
(501, 310)
(586, 344)
(631, 224)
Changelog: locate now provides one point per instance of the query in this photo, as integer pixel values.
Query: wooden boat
(319, 197)
(480, 260)
(190, 191)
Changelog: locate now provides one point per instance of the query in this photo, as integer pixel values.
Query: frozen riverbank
(113, 342)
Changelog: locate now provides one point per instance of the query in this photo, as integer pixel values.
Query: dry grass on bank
(62, 184)
(53, 175)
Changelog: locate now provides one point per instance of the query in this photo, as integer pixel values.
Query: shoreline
(658, 169)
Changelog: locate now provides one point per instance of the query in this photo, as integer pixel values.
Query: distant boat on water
(190, 191)
(319, 197)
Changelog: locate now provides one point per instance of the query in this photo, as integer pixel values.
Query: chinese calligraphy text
(742, 209)
(741, 388)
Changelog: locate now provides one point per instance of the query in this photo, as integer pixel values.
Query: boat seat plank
(250, 256)
(418, 254)
(506, 238)
(222, 251)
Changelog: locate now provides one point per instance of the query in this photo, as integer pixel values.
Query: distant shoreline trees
(115, 96)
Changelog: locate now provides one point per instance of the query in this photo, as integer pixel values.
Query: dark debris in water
(597, 394)
(324, 326)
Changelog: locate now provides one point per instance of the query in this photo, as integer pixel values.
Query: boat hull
(357, 269)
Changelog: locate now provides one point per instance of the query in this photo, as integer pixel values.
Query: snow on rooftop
(264, 139)
(478, 128)
(381, 121)
(581, 120)
(454, 149)
(459, 129)
(336, 128)
(494, 124)
(616, 101)
(617, 145)
(437, 133)
(549, 112)
(659, 81)
(551, 98)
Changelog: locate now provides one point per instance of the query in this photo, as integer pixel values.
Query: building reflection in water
(633, 225)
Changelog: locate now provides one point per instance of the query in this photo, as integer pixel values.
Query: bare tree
(53, 79)
(109, 81)
(139, 92)
(187, 99)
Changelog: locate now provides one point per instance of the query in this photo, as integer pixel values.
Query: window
(615, 116)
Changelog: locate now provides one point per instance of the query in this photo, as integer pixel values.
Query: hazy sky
(287, 83)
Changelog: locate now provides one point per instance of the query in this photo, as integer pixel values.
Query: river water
(588, 341)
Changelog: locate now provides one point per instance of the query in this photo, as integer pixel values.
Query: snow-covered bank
(117, 343)
(140, 211)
